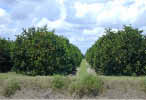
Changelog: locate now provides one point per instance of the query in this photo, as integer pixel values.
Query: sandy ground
(113, 89)
(110, 93)
(123, 90)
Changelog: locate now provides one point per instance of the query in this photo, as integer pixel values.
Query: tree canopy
(121, 52)
(38, 51)
(5, 59)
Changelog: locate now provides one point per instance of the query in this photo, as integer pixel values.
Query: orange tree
(5, 59)
(119, 53)
(38, 51)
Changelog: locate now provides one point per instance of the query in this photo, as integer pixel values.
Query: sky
(81, 21)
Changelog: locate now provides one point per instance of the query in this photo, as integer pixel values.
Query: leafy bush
(11, 87)
(144, 84)
(88, 85)
(38, 51)
(119, 53)
(59, 82)
(5, 59)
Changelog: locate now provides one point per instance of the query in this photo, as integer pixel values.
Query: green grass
(59, 82)
(82, 69)
(10, 75)
(85, 83)
(144, 85)
(88, 85)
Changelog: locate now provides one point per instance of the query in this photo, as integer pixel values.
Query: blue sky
(82, 21)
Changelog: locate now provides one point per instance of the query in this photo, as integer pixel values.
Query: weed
(11, 87)
(144, 85)
(59, 82)
(88, 85)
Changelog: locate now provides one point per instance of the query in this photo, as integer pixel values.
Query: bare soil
(123, 89)
(113, 89)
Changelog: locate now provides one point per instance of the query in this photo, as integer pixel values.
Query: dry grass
(113, 85)
(125, 82)
(123, 78)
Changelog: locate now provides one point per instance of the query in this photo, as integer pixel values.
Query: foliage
(11, 87)
(82, 71)
(5, 59)
(88, 85)
(38, 51)
(119, 53)
(59, 82)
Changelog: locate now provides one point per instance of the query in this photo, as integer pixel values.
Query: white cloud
(10, 31)
(4, 17)
(99, 31)
(82, 21)
(2, 12)
(83, 9)
(58, 24)
(116, 13)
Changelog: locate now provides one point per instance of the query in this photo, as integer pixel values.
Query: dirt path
(84, 69)
(89, 70)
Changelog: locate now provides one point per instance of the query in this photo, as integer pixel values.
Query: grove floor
(115, 87)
